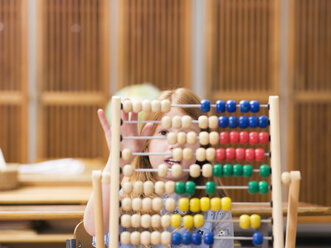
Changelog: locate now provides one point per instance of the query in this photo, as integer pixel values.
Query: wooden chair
(81, 238)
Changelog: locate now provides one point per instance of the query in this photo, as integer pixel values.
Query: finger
(103, 120)
(124, 116)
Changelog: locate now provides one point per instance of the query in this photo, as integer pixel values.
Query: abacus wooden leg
(98, 210)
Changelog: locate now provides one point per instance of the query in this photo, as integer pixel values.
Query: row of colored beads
(252, 138)
(239, 154)
(231, 105)
(196, 238)
(238, 170)
(243, 122)
(204, 204)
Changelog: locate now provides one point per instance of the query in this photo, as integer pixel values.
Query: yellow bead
(244, 221)
(226, 203)
(188, 221)
(175, 220)
(204, 204)
(216, 204)
(255, 221)
(198, 220)
(195, 205)
(183, 204)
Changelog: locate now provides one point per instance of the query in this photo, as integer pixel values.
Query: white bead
(166, 238)
(148, 188)
(135, 220)
(176, 170)
(135, 238)
(127, 170)
(191, 138)
(200, 154)
(145, 238)
(204, 138)
(214, 138)
(207, 170)
(203, 122)
(170, 187)
(126, 220)
(127, 187)
(177, 154)
(138, 187)
(213, 122)
(156, 106)
(186, 121)
(147, 204)
(147, 106)
(162, 170)
(156, 220)
(165, 106)
(170, 204)
(159, 187)
(176, 122)
(210, 154)
(157, 204)
(165, 221)
(127, 154)
(187, 154)
(136, 204)
(166, 122)
(127, 106)
(172, 138)
(136, 106)
(195, 170)
(125, 238)
(146, 221)
(181, 138)
(126, 204)
(286, 178)
(155, 238)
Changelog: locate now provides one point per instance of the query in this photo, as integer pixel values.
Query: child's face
(161, 145)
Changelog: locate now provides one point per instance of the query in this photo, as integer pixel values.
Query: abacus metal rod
(235, 221)
(223, 187)
(240, 238)
(154, 122)
(211, 105)
(167, 153)
(251, 203)
(143, 137)
(185, 170)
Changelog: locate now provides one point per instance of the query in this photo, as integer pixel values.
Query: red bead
(243, 138)
(253, 138)
(224, 138)
(263, 138)
(229, 153)
(220, 154)
(249, 154)
(240, 154)
(259, 154)
(234, 137)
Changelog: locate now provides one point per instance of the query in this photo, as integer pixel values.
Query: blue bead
(257, 238)
(220, 106)
(255, 106)
(244, 106)
(187, 238)
(223, 121)
(263, 121)
(176, 238)
(233, 122)
(252, 121)
(205, 106)
(243, 122)
(231, 106)
(208, 238)
(196, 238)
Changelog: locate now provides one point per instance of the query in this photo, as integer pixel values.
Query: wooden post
(98, 209)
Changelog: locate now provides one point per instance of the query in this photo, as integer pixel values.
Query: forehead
(175, 112)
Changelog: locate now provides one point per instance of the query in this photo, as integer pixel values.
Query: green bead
(247, 170)
(237, 170)
(263, 187)
(227, 170)
(264, 170)
(180, 188)
(217, 170)
(210, 188)
(253, 187)
(190, 187)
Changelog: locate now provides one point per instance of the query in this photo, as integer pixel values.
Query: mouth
(170, 162)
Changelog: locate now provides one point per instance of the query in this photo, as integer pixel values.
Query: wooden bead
(127, 154)
(191, 138)
(159, 187)
(155, 238)
(213, 122)
(127, 106)
(207, 170)
(172, 138)
(145, 221)
(165, 221)
(203, 122)
(135, 238)
(156, 106)
(127, 187)
(145, 238)
(204, 138)
(177, 154)
(187, 154)
(181, 138)
(126, 204)
(195, 170)
(286, 178)
(138, 187)
(157, 204)
(162, 170)
(156, 221)
(127, 170)
(210, 154)
(170, 204)
(176, 122)
(147, 106)
(165, 106)
(136, 204)
(176, 170)
(186, 121)
(200, 154)
(175, 220)
(166, 238)
(146, 204)
(170, 187)
(148, 188)
(126, 220)
(135, 220)
(214, 138)
(125, 238)
(166, 122)
(136, 106)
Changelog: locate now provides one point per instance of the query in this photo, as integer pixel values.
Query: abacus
(205, 155)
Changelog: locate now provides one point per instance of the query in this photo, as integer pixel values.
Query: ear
(147, 130)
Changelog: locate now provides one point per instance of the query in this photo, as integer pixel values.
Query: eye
(163, 132)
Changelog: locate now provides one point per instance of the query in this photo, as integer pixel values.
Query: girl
(178, 96)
